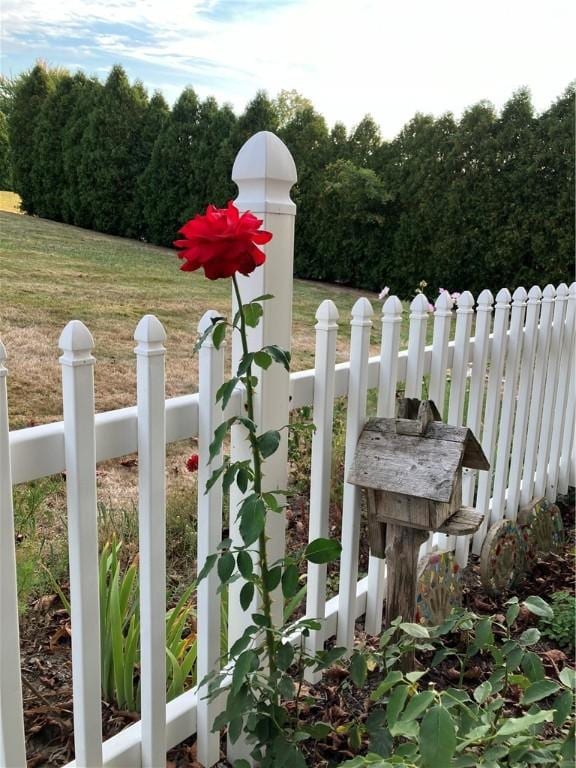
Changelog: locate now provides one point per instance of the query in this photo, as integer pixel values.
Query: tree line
(483, 201)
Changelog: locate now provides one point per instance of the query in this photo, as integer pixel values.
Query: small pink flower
(383, 293)
(192, 463)
(455, 296)
(441, 290)
(430, 307)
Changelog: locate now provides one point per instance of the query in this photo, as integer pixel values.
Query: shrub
(561, 627)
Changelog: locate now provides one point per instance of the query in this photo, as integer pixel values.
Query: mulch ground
(46, 662)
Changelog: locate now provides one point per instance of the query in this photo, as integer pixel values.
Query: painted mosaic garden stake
(502, 560)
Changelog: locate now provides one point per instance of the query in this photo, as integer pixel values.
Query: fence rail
(506, 374)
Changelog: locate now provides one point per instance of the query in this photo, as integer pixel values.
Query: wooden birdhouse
(411, 469)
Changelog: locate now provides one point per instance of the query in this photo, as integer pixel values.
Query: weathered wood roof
(393, 455)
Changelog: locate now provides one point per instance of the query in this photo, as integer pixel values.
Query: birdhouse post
(411, 470)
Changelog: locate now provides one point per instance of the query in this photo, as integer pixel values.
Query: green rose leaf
(246, 595)
(247, 662)
(268, 443)
(252, 313)
(225, 566)
(245, 565)
(252, 519)
(219, 334)
(263, 360)
(290, 581)
(322, 551)
(279, 355)
(207, 567)
(224, 393)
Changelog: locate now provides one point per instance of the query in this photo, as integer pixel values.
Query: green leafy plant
(120, 632)
(561, 627)
(516, 716)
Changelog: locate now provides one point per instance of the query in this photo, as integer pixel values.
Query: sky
(387, 58)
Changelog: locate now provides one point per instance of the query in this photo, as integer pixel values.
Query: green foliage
(29, 97)
(5, 161)
(415, 722)
(120, 634)
(561, 625)
(474, 203)
(113, 154)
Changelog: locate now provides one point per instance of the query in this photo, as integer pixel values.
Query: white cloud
(385, 57)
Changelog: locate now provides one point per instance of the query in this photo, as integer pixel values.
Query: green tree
(29, 96)
(351, 218)
(260, 115)
(5, 164)
(167, 182)
(50, 180)
(364, 143)
(111, 161)
(307, 138)
(76, 199)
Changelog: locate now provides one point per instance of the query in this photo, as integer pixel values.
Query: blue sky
(349, 57)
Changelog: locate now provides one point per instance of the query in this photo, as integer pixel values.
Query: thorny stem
(262, 550)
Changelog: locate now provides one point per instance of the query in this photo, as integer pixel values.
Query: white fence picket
(547, 423)
(440, 341)
(12, 747)
(537, 395)
(78, 400)
(321, 468)
(386, 407)
(419, 311)
(475, 402)
(523, 400)
(508, 411)
(209, 535)
(566, 458)
(492, 409)
(560, 422)
(150, 353)
(458, 379)
(356, 417)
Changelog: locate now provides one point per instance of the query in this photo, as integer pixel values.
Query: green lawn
(51, 273)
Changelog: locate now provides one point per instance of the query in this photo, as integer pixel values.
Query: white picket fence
(510, 373)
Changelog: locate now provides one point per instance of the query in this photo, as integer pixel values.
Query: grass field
(51, 273)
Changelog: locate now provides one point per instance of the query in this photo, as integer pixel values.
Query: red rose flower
(223, 242)
(192, 463)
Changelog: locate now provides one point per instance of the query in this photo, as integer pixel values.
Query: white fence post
(561, 423)
(264, 172)
(440, 341)
(566, 458)
(78, 399)
(387, 381)
(321, 468)
(523, 406)
(537, 395)
(12, 746)
(355, 419)
(475, 402)
(150, 353)
(492, 410)
(508, 404)
(419, 311)
(209, 535)
(547, 422)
